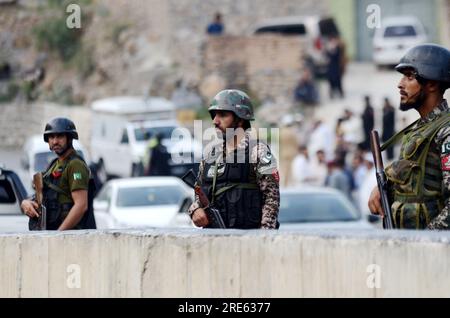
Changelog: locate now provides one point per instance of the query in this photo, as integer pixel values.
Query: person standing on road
(388, 126)
(241, 177)
(68, 189)
(420, 178)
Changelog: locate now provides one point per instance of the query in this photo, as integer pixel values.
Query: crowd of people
(340, 156)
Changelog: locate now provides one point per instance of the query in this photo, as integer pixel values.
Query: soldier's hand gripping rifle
(39, 187)
(213, 214)
(381, 180)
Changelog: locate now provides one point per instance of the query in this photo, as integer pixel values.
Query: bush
(54, 35)
(84, 62)
(11, 93)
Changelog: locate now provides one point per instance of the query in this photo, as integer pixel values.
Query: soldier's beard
(416, 104)
(63, 150)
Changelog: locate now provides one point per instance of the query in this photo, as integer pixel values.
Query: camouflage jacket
(267, 179)
(442, 144)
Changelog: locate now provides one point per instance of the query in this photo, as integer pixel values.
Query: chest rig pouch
(416, 189)
(56, 212)
(232, 189)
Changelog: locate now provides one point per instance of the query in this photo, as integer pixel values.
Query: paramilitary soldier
(68, 189)
(240, 178)
(420, 179)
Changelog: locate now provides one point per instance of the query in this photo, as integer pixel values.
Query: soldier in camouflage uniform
(240, 177)
(420, 179)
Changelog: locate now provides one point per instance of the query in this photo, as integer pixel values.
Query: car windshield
(148, 196)
(399, 31)
(43, 159)
(315, 207)
(145, 133)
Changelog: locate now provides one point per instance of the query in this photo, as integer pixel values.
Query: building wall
(267, 65)
(426, 11)
(444, 21)
(345, 16)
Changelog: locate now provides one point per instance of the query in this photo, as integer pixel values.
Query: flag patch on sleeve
(445, 163)
(77, 176)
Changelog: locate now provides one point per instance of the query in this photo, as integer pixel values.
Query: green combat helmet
(235, 101)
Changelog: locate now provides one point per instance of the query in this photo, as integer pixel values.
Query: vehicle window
(124, 139)
(6, 192)
(145, 133)
(292, 29)
(399, 30)
(149, 196)
(104, 194)
(42, 160)
(324, 207)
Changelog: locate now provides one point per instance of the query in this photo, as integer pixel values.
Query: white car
(143, 203)
(36, 155)
(318, 208)
(395, 37)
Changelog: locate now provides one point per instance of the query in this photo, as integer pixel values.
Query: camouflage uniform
(423, 202)
(264, 169)
(442, 144)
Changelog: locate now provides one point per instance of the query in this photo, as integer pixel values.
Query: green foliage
(62, 94)
(11, 93)
(84, 62)
(55, 35)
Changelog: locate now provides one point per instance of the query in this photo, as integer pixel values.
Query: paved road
(363, 79)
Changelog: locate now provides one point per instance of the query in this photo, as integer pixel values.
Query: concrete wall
(19, 121)
(199, 263)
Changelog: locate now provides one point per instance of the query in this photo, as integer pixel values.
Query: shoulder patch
(267, 158)
(77, 176)
(445, 163)
(445, 148)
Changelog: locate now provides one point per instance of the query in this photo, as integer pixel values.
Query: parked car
(321, 208)
(314, 29)
(142, 203)
(12, 192)
(396, 35)
(36, 155)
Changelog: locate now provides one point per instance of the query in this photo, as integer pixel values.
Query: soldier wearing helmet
(420, 178)
(68, 188)
(240, 176)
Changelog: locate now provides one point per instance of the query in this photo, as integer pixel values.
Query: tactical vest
(57, 212)
(232, 189)
(416, 179)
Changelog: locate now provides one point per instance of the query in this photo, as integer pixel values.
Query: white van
(396, 35)
(121, 128)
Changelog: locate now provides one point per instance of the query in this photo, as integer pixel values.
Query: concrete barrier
(215, 263)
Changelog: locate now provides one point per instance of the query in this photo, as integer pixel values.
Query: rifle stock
(213, 214)
(39, 187)
(381, 180)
